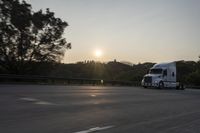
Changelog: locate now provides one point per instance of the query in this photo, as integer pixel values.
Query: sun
(98, 53)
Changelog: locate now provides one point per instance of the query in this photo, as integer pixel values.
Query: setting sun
(98, 53)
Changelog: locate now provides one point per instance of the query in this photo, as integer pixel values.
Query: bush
(194, 78)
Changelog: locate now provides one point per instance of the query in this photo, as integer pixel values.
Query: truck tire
(161, 85)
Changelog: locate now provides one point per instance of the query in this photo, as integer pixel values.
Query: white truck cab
(161, 75)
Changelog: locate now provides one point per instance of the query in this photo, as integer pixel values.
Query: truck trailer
(163, 75)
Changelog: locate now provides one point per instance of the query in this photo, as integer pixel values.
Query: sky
(128, 30)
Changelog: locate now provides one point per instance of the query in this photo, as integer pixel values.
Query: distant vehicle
(162, 75)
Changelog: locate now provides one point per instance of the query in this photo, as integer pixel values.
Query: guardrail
(36, 79)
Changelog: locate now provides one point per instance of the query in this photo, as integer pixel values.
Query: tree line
(113, 70)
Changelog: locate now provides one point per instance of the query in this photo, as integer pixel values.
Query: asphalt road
(85, 109)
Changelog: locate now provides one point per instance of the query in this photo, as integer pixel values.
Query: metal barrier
(36, 79)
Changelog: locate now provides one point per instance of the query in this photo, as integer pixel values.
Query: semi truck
(163, 75)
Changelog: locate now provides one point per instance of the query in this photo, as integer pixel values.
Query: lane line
(36, 101)
(28, 99)
(43, 103)
(95, 129)
(93, 95)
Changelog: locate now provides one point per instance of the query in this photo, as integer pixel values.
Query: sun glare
(98, 53)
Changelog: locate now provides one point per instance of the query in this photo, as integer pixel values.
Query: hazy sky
(129, 30)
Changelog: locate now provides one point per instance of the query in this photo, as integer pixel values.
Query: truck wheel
(161, 85)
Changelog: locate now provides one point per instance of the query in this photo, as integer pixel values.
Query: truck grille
(148, 79)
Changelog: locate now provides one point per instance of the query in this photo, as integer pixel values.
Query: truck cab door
(165, 75)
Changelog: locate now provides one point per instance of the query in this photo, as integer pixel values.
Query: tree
(27, 36)
(199, 61)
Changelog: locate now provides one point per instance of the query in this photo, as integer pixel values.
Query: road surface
(88, 109)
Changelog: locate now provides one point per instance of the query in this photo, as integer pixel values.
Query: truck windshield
(155, 71)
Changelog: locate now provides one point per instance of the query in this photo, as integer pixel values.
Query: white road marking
(93, 95)
(36, 101)
(28, 99)
(43, 103)
(96, 103)
(95, 129)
